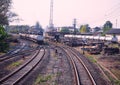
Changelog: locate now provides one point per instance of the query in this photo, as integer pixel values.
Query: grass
(91, 57)
(117, 82)
(14, 64)
(113, 81)
(42, 79)
(116, 72)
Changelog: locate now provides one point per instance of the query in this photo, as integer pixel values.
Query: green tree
(4, 9)
(65, 30)
(5, 18)
(107, 26)
(5, 13)
(3, 36)
(84, 28)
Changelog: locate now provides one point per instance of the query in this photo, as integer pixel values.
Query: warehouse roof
(114, 31)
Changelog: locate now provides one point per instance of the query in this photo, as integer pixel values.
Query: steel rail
(88, 72)
(10, 54)
(20, 52)
(80, 60)
(76, 75)
(25, 66)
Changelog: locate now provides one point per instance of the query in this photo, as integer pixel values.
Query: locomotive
(35, 33)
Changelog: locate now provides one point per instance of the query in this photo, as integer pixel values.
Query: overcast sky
(92, 12)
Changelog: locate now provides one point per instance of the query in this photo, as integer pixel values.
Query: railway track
(11, 53)
(19, 74)
(82, 75)
(20, 51)
(17, 49)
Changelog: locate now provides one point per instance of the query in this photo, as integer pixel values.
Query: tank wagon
(36, 37)
(105, 38)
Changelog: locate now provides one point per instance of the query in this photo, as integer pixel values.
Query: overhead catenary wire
(111, 14)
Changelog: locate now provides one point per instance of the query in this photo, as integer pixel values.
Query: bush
(4, 46)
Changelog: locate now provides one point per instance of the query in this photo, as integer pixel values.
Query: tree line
(5, 18)
(106, 27)
(87, 29)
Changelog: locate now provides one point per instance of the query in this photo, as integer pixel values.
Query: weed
(14, 64)
(41, 79)
(117, 82)
(92, 59)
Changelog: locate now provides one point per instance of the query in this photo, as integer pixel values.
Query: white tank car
(107, 38)
(39, 38)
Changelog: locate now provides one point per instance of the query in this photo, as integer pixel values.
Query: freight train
(85, 37)
(36, 37)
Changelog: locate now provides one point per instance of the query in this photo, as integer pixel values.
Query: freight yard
(79, 46)
(57, 64)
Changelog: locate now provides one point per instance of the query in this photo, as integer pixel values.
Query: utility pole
(74, 25)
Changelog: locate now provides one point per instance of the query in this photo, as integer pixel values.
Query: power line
(113, 7)
(112, 14)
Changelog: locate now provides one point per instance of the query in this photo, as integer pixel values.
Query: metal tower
(51, 25)
(74, 25)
